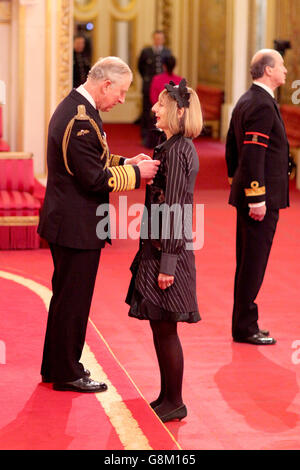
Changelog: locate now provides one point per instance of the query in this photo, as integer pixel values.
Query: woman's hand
(165, 281)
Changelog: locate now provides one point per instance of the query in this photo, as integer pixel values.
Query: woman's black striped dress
(165, 241)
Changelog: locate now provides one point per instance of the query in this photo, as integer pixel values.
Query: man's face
(161, 113)
(110, 94)
(279, 71)
(79, 44)
(158, 39)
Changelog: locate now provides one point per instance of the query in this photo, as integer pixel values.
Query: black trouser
(73, 286)
(253, 245)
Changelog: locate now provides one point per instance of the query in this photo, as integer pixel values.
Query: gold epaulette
(115, 160)
(255, 190)
(83, 116)
(81, 113)
(123, 178)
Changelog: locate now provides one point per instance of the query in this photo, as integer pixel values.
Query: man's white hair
(109, 68)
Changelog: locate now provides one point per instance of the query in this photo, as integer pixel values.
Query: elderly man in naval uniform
(257, 156)
(81, 174)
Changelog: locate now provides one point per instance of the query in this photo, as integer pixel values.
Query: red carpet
(238, 396)
(34, 417)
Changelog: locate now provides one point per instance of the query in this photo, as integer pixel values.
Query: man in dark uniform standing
(150, 63)
(257, 156)
(81, 173)
(81, 64)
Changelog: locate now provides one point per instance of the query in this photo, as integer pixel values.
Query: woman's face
(160, 111)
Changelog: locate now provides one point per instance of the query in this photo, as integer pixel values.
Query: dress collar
(167, 144)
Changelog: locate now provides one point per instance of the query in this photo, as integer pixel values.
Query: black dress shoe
(258, 339)
(264, 332)
(85, 385)
(46, 380)
(178, 413)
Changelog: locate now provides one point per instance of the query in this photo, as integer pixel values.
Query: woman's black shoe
(178, 413)
(155, 403)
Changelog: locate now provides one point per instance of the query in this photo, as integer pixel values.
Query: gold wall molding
(229, 41)
(112, 37)
(64, 48)
(5, 12)
(21, 76)
(86, 10)
(181, 25)
(48, 54)
(164, 18)
(85, 5)
(288, 28)
(212, 42)
(122, 12)
(262, 26)
(123, 6)
(236, 57)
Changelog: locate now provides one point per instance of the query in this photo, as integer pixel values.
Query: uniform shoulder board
(81, 113)
(83, 116)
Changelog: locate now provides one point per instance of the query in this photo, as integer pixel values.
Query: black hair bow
(179, 93)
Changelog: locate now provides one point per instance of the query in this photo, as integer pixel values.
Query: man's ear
(106, 86)
(268, 70)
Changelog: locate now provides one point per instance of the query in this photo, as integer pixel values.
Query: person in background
(81, 64)
(155, 136)
(159, 81)
(150, 64)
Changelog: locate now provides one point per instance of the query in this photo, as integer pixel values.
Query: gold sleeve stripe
(123, 178)
(114, 182)
(131, 176)
(255, 190)
(118, 180)
(115, 160)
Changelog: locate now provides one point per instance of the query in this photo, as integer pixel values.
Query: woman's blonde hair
(191, 124)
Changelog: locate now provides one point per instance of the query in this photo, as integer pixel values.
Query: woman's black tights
(170, 360)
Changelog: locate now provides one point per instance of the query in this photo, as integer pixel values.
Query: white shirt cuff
(257, 204)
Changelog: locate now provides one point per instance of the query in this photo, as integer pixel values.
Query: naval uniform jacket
(150, 64)
(257, 152)
(257, 155)
(81, 173)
